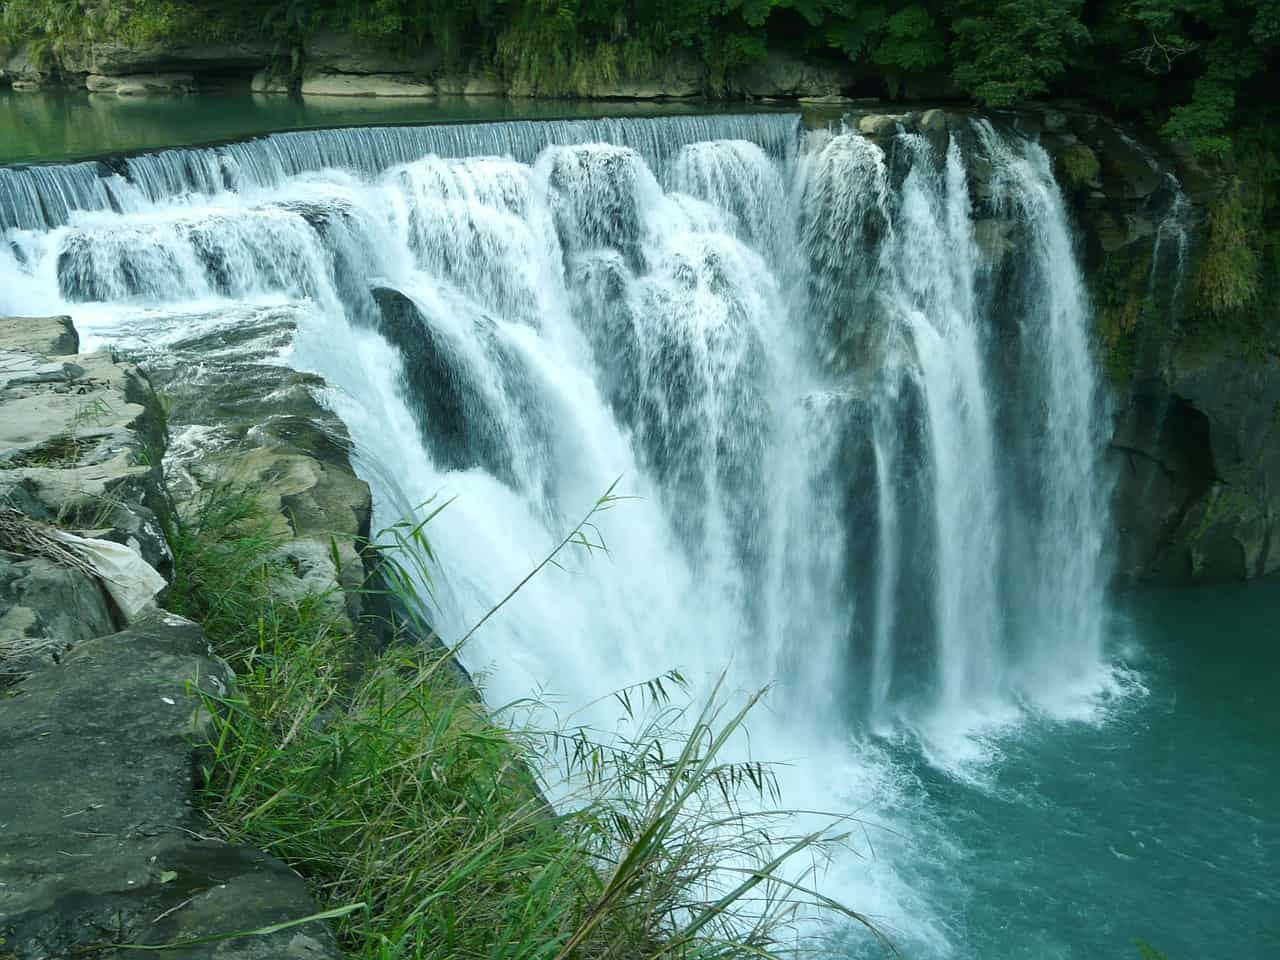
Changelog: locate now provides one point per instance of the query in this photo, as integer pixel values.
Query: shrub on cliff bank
(385, 782)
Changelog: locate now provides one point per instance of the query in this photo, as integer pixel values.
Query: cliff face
(1195, 408)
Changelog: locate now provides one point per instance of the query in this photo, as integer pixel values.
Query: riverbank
(102, 692)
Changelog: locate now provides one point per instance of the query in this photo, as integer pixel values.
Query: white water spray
(860, 473)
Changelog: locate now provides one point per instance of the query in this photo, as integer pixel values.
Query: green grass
(386, 783)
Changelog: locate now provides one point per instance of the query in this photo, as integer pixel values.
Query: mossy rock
(1078, 166)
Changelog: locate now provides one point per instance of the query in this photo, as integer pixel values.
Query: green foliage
(419, 819)
(1228, 278)
(1200, 69)
(1121, 292)
(911, 41)
(1014, 49)
(1079, 164)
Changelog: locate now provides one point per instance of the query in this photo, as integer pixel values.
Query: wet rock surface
(1195, 446)
(100, 841)
(241, 421)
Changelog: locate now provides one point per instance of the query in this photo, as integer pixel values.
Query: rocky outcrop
(321, 84)
(1197, 456)
(781, 75)
(79, 438)
(1195, 419)
(240, 420)
(100, 842)
(1196, 444)
(676, 78)
(113, 58)
(141, 84)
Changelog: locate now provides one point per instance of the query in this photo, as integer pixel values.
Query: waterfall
(864, 445)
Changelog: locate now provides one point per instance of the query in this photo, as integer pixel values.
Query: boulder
(142, 84)
(935, 127)
(883, 126)
(365, 85)
(783, 75)
(47, 336)
(45, 610)
(101, 842)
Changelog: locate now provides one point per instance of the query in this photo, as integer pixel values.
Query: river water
(865, 445)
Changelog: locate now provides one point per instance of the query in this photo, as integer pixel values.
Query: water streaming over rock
(850, 383)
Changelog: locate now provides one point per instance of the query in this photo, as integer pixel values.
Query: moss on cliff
(1123, 302)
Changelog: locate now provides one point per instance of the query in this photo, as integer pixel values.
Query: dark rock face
(1196, 441)
(239, 419)
(101, 844)
(1198, 451)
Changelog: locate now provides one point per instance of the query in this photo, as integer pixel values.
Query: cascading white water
(865, 448)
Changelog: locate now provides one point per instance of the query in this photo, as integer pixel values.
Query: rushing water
(865, 442)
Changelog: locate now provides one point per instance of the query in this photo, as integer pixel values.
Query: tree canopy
(1198, 69)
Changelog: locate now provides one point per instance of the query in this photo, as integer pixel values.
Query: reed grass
(386, 783)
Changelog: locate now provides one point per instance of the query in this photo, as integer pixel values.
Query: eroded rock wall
(1195, 413)
(101, 843)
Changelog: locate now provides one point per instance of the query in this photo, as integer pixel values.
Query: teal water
(1154, 819)
(1158, 821)
(69, 125)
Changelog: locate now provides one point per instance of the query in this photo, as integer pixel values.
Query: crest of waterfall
(866, 455)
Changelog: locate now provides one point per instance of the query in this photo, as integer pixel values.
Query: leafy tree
(1014, 49)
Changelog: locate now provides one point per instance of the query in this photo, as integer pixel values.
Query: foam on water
(864, 450)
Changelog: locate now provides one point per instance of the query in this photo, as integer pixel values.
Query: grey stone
(45, 610)
(365, 85)
(99, 841)
(78, 446)
(677, 77)
(933, 124)
(882, 126)
(783, 75)
(46, 336)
